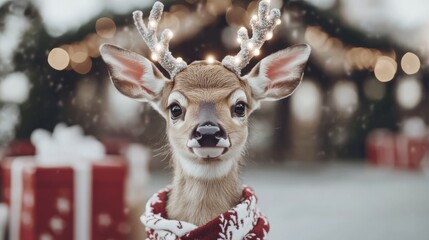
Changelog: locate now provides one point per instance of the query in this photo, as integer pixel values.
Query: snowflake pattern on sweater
(244, 221)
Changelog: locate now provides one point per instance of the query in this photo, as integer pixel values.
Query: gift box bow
(66, 146)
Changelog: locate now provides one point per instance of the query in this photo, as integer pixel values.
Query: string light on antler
(210, 59)
(262, 25)
(159, 48)
(256, 52)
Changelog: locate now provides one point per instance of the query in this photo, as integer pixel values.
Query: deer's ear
(133, 75)
(278, 75)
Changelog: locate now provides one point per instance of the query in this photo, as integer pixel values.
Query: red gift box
(85, 201)
(395, 150)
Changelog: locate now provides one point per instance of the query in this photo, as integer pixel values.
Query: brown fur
(195, 200)
(199, 201)
(202, 187)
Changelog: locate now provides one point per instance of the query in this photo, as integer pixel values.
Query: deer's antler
(159, 48)
(262, 25)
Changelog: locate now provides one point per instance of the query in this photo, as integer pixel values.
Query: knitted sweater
(244, 221)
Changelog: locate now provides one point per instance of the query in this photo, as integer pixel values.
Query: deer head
(206, 105)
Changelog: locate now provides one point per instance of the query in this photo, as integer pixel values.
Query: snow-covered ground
(338, 201)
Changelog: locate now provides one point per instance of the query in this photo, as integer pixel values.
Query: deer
(206, 106)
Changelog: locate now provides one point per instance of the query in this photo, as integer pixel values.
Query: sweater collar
(244, 221)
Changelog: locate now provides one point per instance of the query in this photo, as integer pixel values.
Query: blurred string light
(58, 58)
(306, 102)
(77, 55)
(409, 92)
(82, 67)
(345, 97)
(217, 7)
(385, 69)
(105, 27)
(14, 88)
(236, 16)
(332, 52)
(363, 58)
(410, 63)
(374, 90)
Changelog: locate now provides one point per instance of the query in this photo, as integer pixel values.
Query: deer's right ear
(133, 75)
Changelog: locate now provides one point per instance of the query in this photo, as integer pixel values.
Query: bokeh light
(345, 97)
(410, 63)
(14, 88)
(306, 102)
(105, 27)
(58, 58)
(83, 67)
(409, 93)
(235, 16)
(210, 59)
(78, 53)
(385, 69)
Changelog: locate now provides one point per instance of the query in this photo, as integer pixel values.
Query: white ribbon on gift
(66, 147)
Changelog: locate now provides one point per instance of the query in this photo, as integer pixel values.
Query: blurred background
(344, 157)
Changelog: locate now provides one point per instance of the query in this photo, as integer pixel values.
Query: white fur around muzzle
(208, 152)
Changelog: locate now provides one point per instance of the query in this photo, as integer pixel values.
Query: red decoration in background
(47, 196)
(20, 148)
(396, 150)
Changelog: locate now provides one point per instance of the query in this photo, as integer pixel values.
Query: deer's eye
(175, 110)
(240, 109)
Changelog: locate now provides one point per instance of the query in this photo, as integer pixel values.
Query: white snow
(60, 17)
(337, 201)
(14, 88)
(11, 36)
(9, 118)
(66, 144)
(409, 92)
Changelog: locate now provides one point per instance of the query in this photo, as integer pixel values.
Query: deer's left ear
(278, 75)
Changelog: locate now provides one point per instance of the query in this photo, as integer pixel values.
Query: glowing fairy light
(278, 22)
(410, 63)
(169, 34)
(149, 33)
(152, 24)
(179, 59)
(237, 60)
(262, 23)
(155, 57)
(256, 52)
(158, 47)
(210, 59)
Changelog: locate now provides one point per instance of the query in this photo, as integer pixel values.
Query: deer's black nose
(208, 134)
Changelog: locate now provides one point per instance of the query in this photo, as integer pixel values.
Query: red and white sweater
(243, 221)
